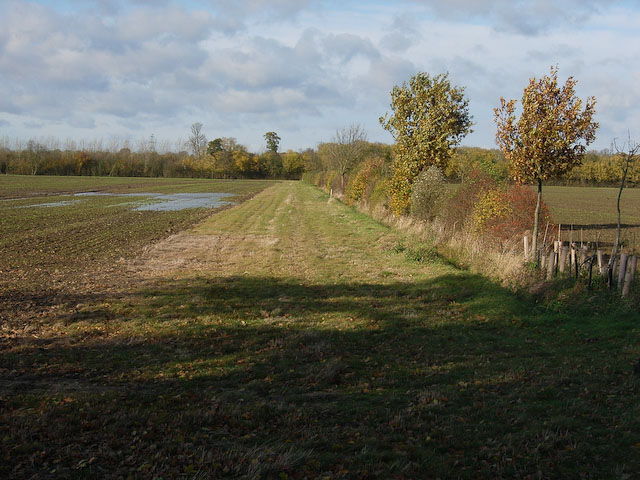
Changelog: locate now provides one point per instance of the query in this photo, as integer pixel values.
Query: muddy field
(62, 238)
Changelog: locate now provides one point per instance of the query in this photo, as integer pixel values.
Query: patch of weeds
(398, 248)
(421, 253)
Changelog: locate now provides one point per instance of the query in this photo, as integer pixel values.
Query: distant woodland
(229, 159)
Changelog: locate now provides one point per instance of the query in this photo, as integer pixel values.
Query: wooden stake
(600, 261)
(564, 251)
(559, 230)
(584, 253)
(634, 264)
(551, 265)
(627, 284)
(623, 269)
(544, 240)
(571, 235)
(572, 258)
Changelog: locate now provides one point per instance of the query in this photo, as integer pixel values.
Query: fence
(571, 259)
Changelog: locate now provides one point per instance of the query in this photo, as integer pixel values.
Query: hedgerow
(428, 194)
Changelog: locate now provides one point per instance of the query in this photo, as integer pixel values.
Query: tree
(246, 163)
(221, 150)
(197, 141)
(346, 149)
(549, 138)
(34, 153)
(273, 141)
(429, 118)
(214, 147)
(628, 156)
(292, 164)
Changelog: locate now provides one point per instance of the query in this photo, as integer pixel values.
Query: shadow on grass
(263, 378)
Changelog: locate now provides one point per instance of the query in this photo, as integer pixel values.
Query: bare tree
(346, 149)
(628, 152)
(197, 142)
(34, 155)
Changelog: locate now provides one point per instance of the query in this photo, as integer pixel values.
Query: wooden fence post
(551, 265)
(600, 262)
(584, 253)
(623, 269)
(572, 259)
(634, 264)
(562, 263)
(627, 284)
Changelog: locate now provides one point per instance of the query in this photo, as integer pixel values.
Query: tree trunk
(536, 221)
(616, 245)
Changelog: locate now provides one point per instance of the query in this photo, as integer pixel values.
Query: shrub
(369, 170)
(376, 193)
(333, 182)
(428, 194)
(507, 212)
(491, 206)
(464, 200)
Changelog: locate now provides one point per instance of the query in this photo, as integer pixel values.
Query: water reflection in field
(150, 202)
(170, 202)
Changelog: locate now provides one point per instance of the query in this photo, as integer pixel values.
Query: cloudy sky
(88, 69)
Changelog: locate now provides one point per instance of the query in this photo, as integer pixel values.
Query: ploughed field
(290, 337)
(590, 214)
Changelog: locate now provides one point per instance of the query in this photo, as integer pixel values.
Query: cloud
(527, 17)
(55, 63)
(127, 66)
(345, 47)
(33, 125)
(402, 34)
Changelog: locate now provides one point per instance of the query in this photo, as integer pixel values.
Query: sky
(129, 69)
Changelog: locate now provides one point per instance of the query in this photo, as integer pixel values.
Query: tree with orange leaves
(551, 135)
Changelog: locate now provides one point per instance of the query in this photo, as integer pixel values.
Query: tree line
(221, 158)
(228, 159)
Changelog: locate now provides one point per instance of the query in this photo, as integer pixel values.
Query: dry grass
(502, 261)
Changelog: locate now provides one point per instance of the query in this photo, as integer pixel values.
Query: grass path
(291, 337)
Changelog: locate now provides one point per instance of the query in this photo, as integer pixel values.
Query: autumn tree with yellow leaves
(430, 117)
(551, 135)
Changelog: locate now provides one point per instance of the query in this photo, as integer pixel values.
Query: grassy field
(292, 337)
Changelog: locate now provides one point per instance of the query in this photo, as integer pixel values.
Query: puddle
(62, 203)
(170, 202)
(153, 202)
